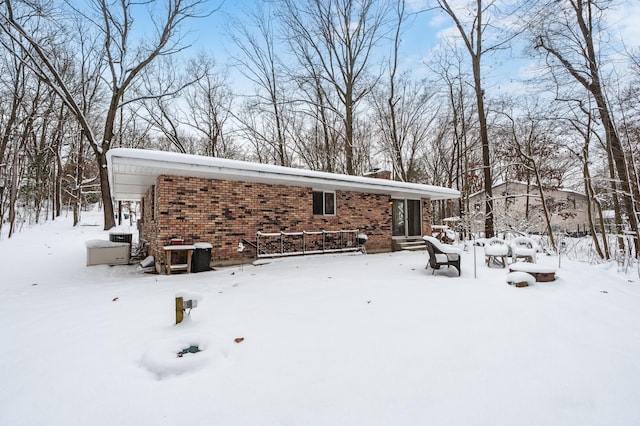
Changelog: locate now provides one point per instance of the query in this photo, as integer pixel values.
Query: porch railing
(299, 243)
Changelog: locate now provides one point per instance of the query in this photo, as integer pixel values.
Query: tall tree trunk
(587, 73)
(348, 130)
(473, 42)
(13, 198)
(57, 187)
(79, 179)
(588, 190)
(545, 209)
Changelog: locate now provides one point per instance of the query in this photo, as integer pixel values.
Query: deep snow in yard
(328, 340)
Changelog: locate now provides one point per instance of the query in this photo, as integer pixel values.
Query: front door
(406, 218)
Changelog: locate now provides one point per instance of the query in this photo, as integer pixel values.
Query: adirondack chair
(442, 254)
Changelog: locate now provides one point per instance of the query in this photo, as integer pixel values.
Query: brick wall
(427, 217)
(225, 212)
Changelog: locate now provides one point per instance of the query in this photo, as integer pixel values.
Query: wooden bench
(442, 254)
(539, 272)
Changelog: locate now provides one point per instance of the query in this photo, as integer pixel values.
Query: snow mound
(520, 277)
(163, 357)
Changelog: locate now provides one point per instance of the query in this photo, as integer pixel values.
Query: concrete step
(412, 245)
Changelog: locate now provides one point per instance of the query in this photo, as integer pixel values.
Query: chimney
(378, 174)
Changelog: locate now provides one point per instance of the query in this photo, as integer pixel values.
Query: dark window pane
(317, 202)
(329, 203)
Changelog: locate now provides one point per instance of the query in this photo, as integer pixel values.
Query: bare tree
(317, 128)
(13, 78)
(568, 36)
(474, 24)
(537, 157)
(256, 39)
(124, 61)
(340, 36)
(451, 76)
(209, 102)
(407, 114)
(581, 120)
(404, 110)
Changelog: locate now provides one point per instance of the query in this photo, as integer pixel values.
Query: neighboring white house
(517, 206)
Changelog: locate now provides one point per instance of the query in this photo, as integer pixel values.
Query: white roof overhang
(133, 171)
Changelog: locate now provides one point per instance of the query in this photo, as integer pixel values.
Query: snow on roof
(534, 190)
(133, 171)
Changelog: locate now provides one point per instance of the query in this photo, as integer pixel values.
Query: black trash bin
(201, 258)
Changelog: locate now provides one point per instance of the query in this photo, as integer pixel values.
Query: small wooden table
(168, 250)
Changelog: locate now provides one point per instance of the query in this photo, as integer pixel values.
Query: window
(324, 203)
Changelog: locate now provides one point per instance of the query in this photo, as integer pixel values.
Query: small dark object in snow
(368, 301)
(238, 339)
(233, 273)
(34, 284)
(235, 285)
(115, 299)
(604, 291)
(190, 350)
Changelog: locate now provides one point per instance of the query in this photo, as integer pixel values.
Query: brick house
(224, 202)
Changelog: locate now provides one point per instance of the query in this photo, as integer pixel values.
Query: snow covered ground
(328, 340)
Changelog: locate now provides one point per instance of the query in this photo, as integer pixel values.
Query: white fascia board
(154, 163)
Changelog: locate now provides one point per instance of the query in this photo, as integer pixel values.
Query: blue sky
(419, 40)
(209, 34)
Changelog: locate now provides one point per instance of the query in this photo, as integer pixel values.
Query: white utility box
(100, 252)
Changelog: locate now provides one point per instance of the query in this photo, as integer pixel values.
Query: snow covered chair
(523, 248)
(442, 254)
(496, 252)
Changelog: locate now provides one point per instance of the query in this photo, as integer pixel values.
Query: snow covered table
(539, 272)
(168, 250)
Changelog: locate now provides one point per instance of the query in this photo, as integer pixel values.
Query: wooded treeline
(328, 89)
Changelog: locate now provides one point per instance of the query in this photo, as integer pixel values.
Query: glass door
(406, 218)
(398, 218)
